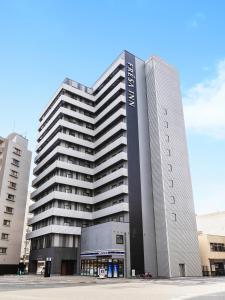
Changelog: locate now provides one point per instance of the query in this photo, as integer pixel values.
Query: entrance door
(219, 269)
(68, 267)
(182, 270)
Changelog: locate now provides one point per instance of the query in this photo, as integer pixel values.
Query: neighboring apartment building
(25, 247)
(211, 236)
(15, 161)
(112, 186)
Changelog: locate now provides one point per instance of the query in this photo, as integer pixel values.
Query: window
(5, 236)
(166, 124)
(12, 185)
(174, 217)
(8, 210)
(67, 222)
(3, 250)
(15, 162)
(165, 112)
(119, 239)
(218, 247)
(13, 173)
(11, 197)
(172, 199)
(17, 151)
(171, 183)
(168, 152)
(67, 206)
(68, 189)
(170, 168)
(6, 222)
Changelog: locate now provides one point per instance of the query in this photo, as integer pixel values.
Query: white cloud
(196, 20)
(204, 105)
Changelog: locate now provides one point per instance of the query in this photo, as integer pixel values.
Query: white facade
(175, 223)
(15, 161)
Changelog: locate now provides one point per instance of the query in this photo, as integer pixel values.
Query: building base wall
(8, 269)
(63, 260)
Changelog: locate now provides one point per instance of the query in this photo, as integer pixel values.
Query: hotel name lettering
(131, 85)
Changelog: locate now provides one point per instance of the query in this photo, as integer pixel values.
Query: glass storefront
(114, 267)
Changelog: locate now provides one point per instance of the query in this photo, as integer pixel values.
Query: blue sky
(42, 42)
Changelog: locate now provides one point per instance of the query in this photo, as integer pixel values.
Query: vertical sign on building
(134, 183)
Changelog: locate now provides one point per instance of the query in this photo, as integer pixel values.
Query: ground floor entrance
(114, 267)
(217, 267)
(68, 267)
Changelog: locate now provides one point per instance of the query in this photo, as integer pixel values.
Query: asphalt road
(88, 288)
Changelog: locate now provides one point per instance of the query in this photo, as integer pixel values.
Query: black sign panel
(134, 183)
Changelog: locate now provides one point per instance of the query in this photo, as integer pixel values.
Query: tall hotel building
(112, 186)
(15, 161)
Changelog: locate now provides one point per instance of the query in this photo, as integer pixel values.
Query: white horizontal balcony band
(62, 180)
(69, 138)
(80, 183)
(75, 214)
(66, 151)
(109, 108)
(122, 189)
(67, 125)
(78, 92)
(120, 86)
(68, 100)
(80, 169)
(82, 94)
(63, 165)
(120, 141)
(61, 212)
(120, 207)
(43, 118)
(54, 229)
(119, 74)
(118, 157)
(108, 134)
(64, 137)
(112, 176)
(112, 67)
(69, 112)
(79, 104)
(77, 115)
(61, 196)
(118, 113)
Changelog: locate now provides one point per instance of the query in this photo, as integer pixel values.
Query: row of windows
(81, 135)
(169, 165)
(11, 184)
